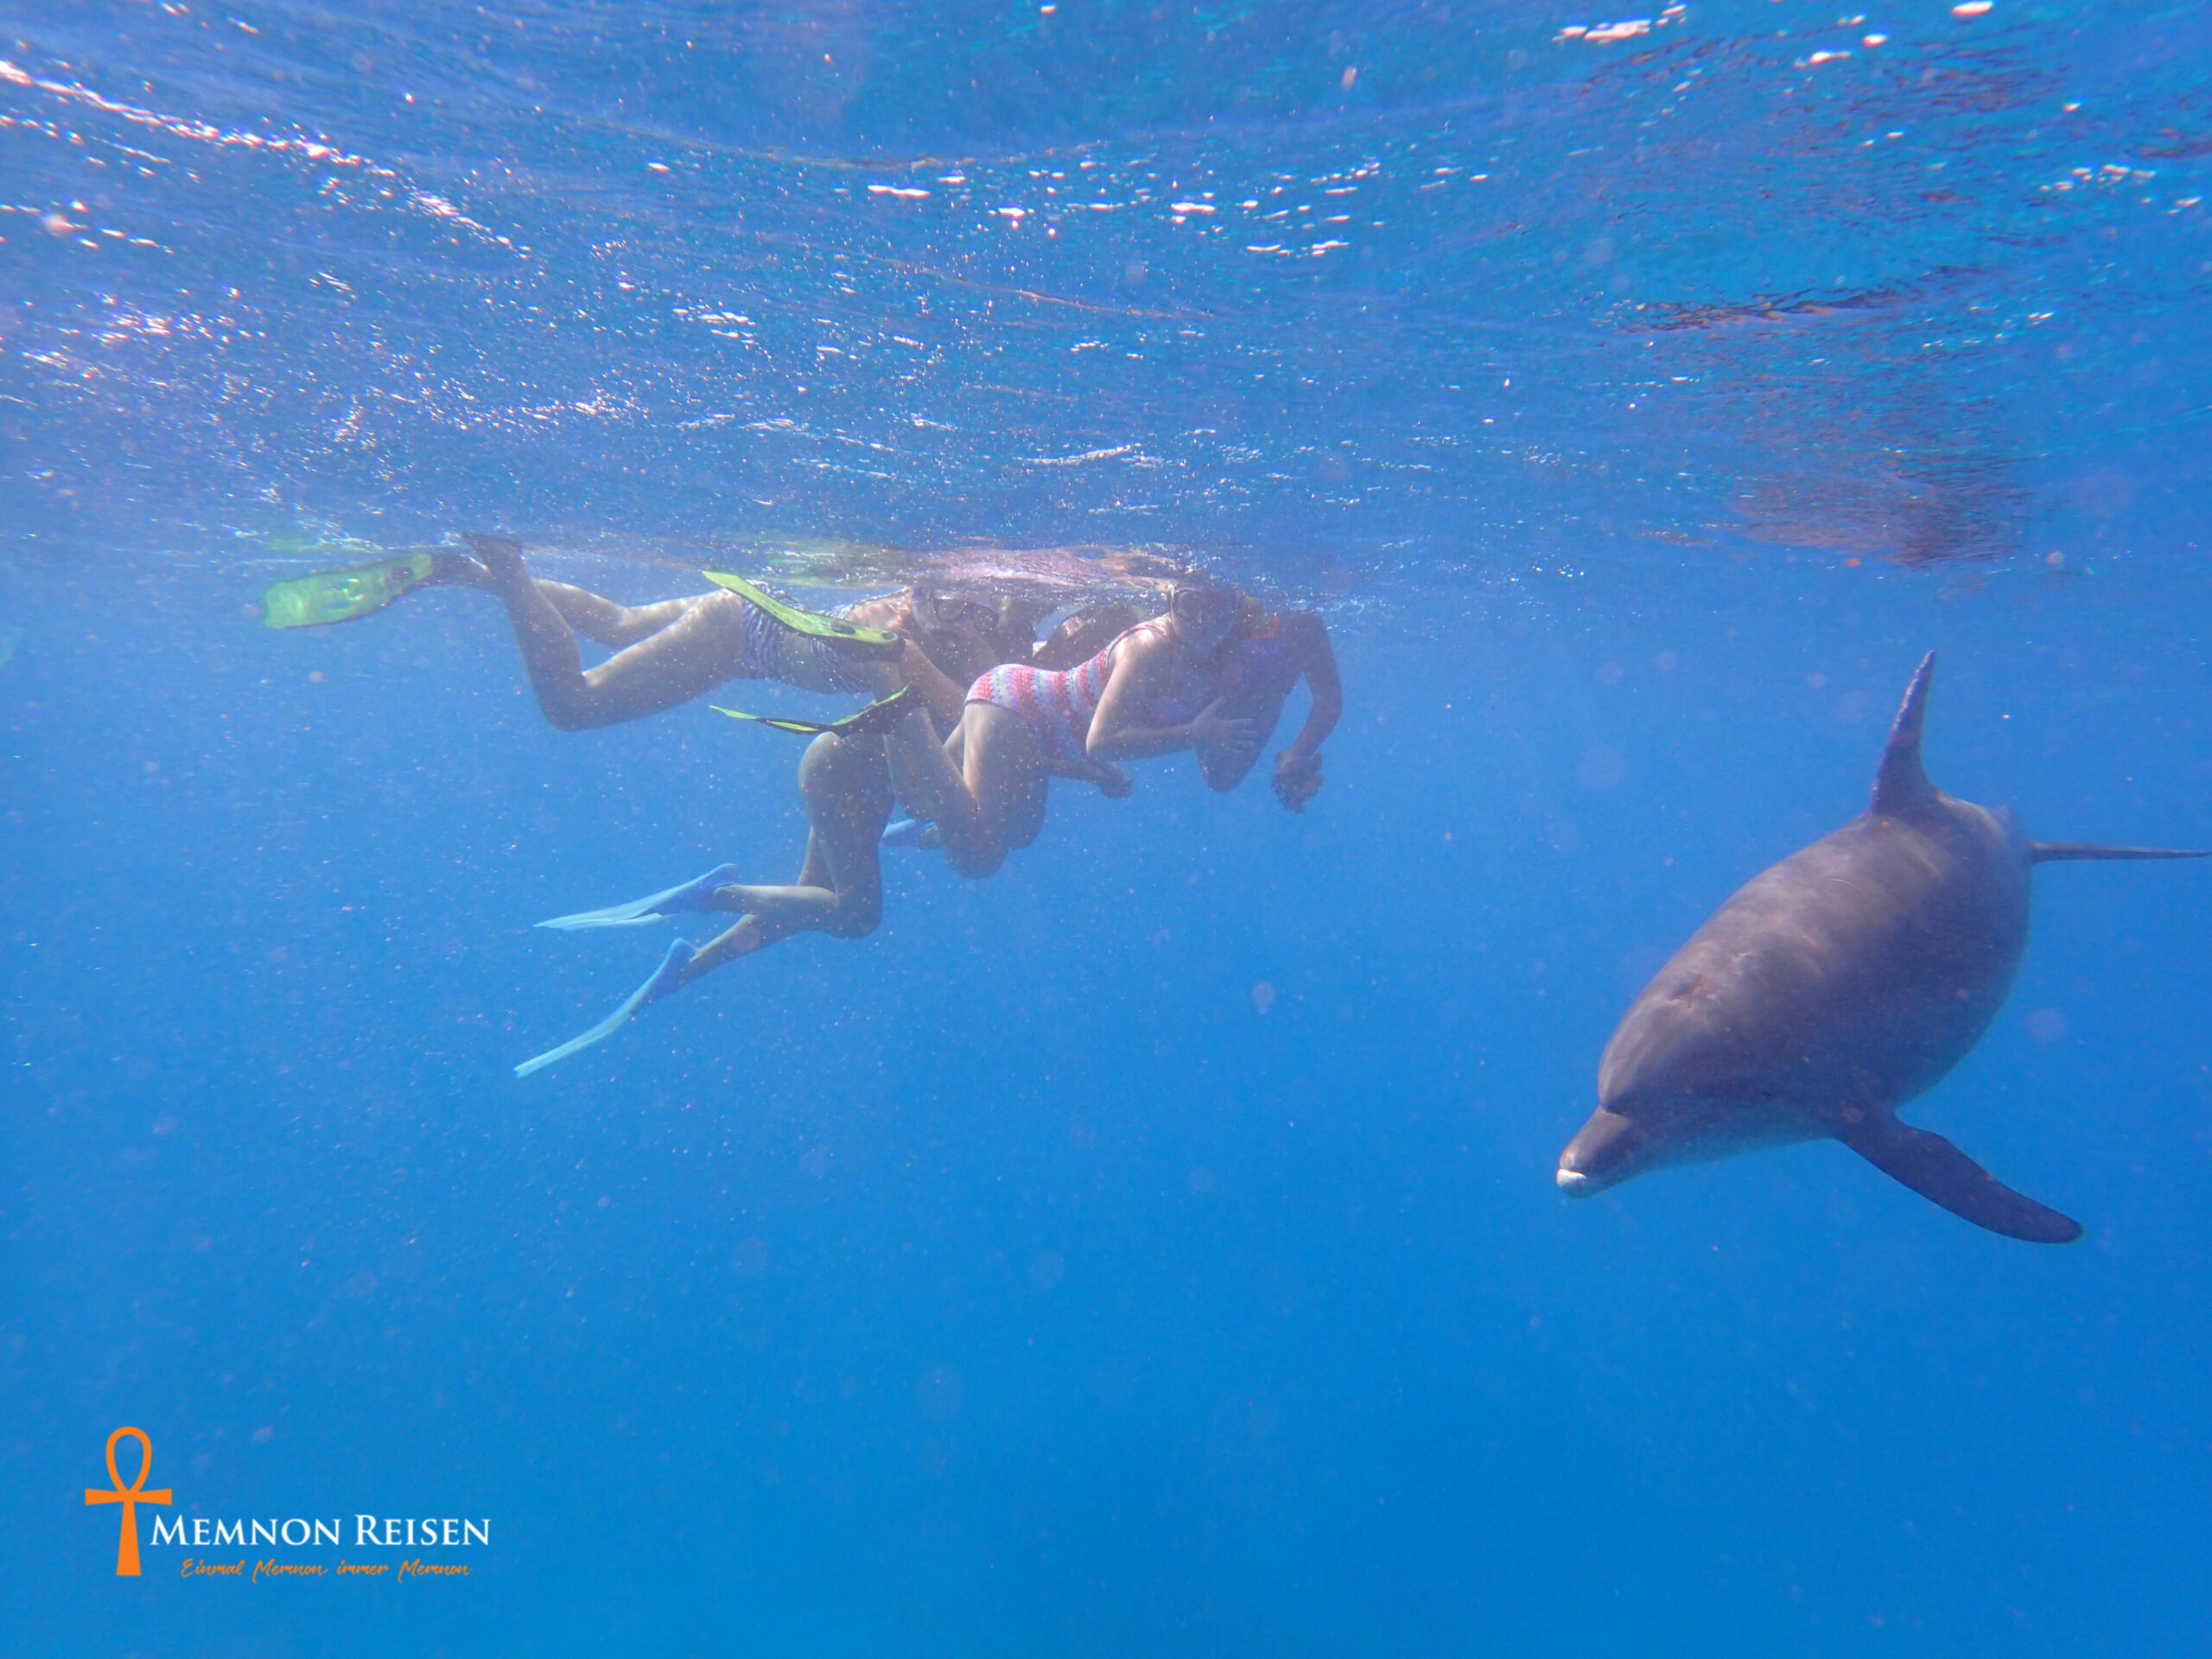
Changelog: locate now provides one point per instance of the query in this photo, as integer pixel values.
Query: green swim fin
(342, 596)
(874, 642)
(877, 717)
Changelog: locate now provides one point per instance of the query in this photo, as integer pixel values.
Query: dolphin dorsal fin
(1901, 788)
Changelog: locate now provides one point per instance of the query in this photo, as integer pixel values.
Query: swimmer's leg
(840, 888)
(702, 647)
(1003, 764)
(947, 698)
(912, 771)
(839, 891)
(604, 622)
(927, 780)
(991, 801)
(344, 596)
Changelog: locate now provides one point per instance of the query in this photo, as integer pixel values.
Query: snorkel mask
(936, 613)
(1206, 615)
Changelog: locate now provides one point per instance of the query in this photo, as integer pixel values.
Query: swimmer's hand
(1235, 741)
(1298, 779)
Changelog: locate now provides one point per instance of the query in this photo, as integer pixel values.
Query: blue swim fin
(666, 978)
(913, 832)
(653, 907)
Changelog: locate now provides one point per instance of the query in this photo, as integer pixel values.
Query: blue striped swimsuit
(773, 651)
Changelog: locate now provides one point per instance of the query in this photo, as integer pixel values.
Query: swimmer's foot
(358, 590)
(501, 556)
(459, 570)
(691, 897)
(667, 978)
(913, 832)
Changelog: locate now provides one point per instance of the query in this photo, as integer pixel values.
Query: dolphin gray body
(1830, 990)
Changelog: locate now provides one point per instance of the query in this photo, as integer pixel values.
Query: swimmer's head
(962, 633)
(1205, 613)
(940, 613)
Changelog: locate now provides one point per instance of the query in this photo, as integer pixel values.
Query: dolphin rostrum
(1830, 990)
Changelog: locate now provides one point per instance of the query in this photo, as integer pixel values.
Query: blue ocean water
(1153, 1247)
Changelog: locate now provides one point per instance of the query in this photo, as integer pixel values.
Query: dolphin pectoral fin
(1942, 1174)
(2053, 852)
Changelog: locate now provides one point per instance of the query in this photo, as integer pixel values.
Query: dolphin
(1829, 991)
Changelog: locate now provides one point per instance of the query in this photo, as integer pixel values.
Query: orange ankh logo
(131, 1496)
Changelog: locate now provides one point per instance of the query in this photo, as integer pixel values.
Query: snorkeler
(1272, 653)
(1158, 687)
(1268, 654)
(1239, 684)
(669, 652)
(844, 779)
(848, 778)
(1155, 688)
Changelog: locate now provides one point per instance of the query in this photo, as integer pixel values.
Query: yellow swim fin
(342, 596)
(874, 642)
(877, 716)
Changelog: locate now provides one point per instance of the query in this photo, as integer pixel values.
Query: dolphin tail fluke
(1942, 1174)
(1901, 786)
(2053, 852)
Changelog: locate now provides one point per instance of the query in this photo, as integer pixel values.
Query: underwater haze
(1154, 1248)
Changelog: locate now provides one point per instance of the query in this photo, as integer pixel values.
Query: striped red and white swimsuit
(1059, 704)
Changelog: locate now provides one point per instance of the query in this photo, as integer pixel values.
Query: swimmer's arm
(945, 698)
(1117, 729)
(1318, 659)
